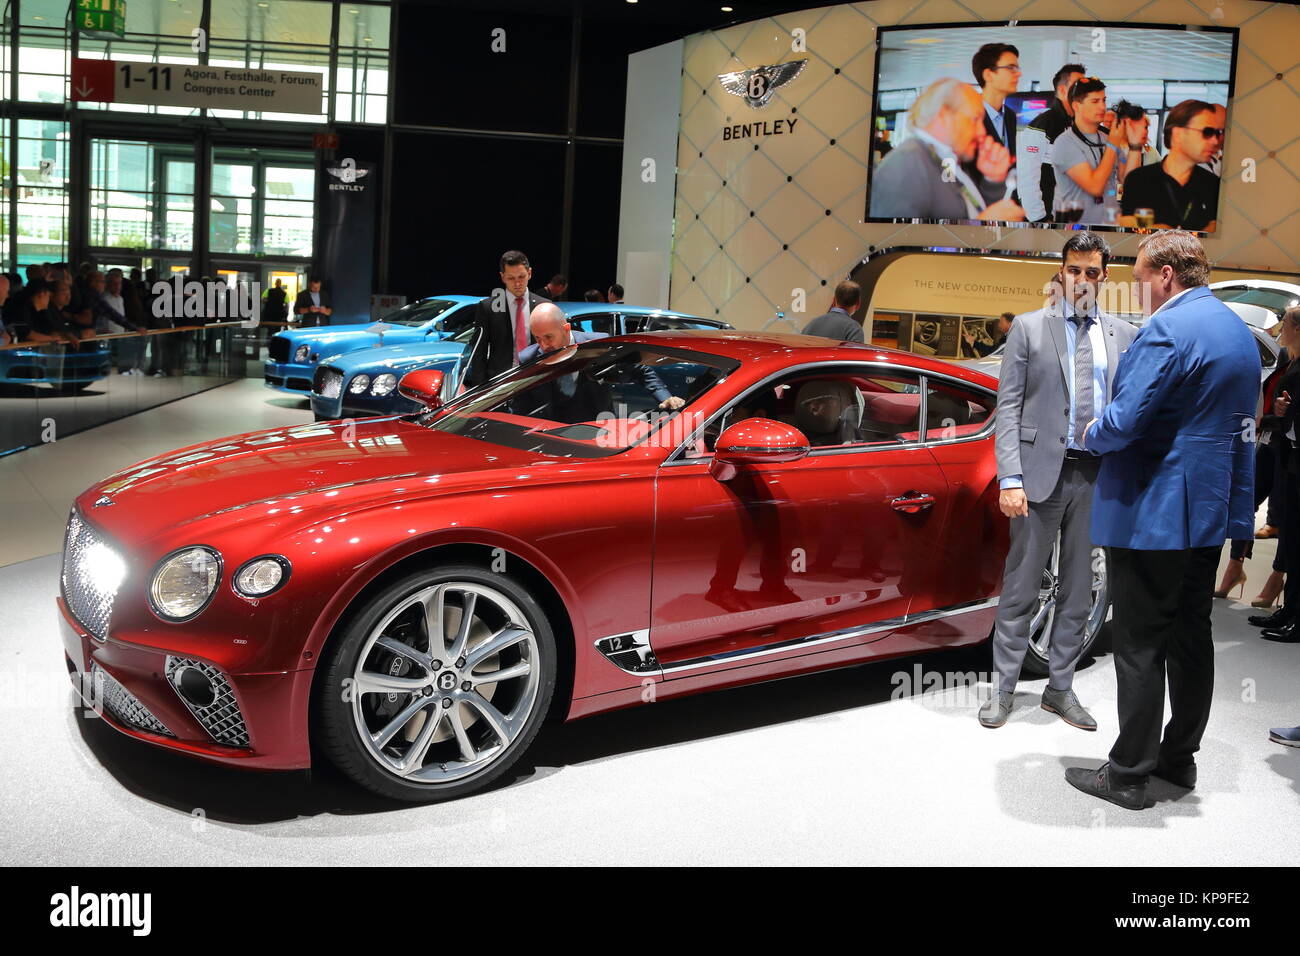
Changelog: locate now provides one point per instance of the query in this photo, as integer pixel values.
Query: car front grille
(123, 704)
(89, 567)
(222, 719)
(328, 382)
(278, 348)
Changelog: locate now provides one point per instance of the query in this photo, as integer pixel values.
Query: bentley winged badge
(756, 86)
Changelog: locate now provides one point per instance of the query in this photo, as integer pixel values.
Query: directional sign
(209, 87)
(101, 16)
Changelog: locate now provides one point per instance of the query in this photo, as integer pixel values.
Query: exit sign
(102, 16)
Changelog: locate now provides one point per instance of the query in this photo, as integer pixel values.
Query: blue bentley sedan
(363, 383)
(294, 354)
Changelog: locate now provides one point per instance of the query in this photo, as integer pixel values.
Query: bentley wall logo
(756, 86)
(347, 174)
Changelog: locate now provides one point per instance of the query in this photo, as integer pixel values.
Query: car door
(827, 549)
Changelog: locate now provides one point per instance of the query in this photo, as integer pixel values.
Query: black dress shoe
(1278, 618)
(1180, 776)
(1290, 634)
(1097, 783)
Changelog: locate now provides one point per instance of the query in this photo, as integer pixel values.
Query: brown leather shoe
(1268, 531)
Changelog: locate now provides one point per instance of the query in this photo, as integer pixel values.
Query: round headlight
(185, 582)
(384, 383)
(300, 354)
(261, 576)
(359, 384)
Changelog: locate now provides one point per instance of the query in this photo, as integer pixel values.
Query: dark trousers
(1266, 469)
(1161, 630)
(1288, 539)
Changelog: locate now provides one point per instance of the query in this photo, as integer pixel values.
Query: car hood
(287, 477)
(334, 338)
(397, 357)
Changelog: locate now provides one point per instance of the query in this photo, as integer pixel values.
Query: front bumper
(361, 406)
(292, 377)
(135, 698)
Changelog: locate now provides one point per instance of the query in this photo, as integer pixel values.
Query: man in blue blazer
(1176, 480)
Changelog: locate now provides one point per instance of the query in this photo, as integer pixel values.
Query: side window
(834, 409)
(955, 411)
(669, 323)
(602, 323)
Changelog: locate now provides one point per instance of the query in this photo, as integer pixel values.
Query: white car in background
(1260, 302)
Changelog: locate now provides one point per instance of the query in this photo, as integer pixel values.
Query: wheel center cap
(447, 680)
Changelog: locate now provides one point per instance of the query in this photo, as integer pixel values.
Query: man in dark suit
(839, 323)
(502, 321)
(997, 71)
(1177, 479)
(312, 306)
(552, 333)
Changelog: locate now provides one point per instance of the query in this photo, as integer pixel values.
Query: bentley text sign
(208, 87)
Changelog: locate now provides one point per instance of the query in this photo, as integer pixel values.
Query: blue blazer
(1177, 439)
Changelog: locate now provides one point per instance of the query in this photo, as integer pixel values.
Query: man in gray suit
(839, 323)
(1056, 377)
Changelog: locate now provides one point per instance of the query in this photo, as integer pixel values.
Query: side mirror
(424, 385)
(756, 441)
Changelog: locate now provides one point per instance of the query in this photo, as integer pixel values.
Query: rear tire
(417, 705)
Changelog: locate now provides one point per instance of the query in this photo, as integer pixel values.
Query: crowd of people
(963, 157)
(50, 305)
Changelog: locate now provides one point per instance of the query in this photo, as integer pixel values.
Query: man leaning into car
(1056, 377)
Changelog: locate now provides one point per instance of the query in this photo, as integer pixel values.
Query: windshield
(418, 313)
(1276, 300)
(588, 401)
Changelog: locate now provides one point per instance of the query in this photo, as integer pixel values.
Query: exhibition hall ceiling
(770, 199)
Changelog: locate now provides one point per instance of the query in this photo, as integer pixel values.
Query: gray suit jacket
(1033, 414)
(909, 184)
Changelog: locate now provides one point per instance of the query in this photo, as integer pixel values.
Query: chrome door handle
(912, 502)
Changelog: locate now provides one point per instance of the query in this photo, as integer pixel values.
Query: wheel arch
(523, 569)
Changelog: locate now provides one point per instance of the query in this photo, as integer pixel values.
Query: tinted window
(669, 323)
(589, 401)
(603, 323)
(954, 411)
(1278, 300)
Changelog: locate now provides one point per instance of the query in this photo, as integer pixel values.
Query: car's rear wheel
(1044, 619)
(438, 685)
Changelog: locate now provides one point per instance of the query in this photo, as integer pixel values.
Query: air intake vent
(221, 717)
(123, 704)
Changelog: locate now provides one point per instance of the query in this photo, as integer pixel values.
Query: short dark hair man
(1180, 192)
(1177, 478)
(839, 323)
(1089, 161)
(616, 294)
(313, 303)
(1057, 373)
(1036, 181)
(555, 288)
(502, 321)
(983, 349)
(997, 73)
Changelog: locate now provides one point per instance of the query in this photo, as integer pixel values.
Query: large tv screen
(1117, 126)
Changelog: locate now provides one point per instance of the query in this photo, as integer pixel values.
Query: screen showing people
(1118, 126)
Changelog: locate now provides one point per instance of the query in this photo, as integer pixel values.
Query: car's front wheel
(1044, 618)
(438, 684)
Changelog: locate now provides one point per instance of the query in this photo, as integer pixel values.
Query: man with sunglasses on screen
(1180, 192)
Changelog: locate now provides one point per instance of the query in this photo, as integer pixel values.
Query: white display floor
(832, 768)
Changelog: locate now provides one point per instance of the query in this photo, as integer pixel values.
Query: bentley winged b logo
(756, 86)
(347, 171)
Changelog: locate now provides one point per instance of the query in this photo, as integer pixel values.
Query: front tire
(438, 685)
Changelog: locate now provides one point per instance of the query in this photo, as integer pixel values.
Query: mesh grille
(123, 704)
(222, 718)
(329, 382)
(278, 348)
(89, 564)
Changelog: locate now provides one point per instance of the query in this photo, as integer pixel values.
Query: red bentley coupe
(412, 596)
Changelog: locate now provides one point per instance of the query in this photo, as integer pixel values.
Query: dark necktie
(1082, 376)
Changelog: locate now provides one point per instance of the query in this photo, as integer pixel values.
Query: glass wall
(139, 195)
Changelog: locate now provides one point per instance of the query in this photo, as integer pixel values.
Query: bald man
(552, 332)
(949, 167)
